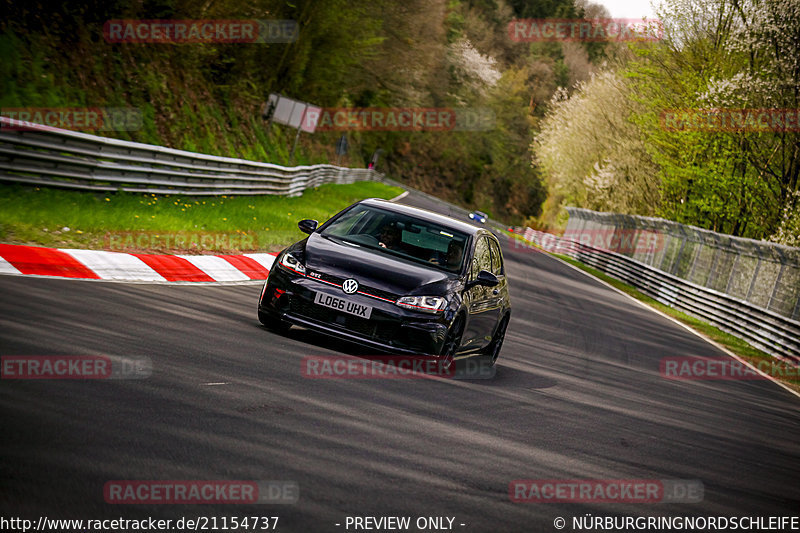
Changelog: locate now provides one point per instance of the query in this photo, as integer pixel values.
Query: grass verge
(756, 357)
(169, 223)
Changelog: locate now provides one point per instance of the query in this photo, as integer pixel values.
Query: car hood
(374, 268)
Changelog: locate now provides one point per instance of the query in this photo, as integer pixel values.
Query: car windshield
(410, 238)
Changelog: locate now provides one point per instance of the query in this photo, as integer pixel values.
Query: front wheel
(275, 324)
(452, 342)
(493, 350)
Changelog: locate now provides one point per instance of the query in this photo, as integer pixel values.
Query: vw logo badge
(350, 286)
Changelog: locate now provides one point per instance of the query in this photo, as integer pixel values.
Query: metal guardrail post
(755, 276)
(697, 251)
(677, 262)
(712, 270)
(775, 286)
(667, 242)
(732, 274)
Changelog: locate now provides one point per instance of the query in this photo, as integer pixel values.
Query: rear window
(406, 237)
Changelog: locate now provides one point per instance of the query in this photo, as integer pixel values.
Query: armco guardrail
(765, 274)
(764, 329)
(42, 155)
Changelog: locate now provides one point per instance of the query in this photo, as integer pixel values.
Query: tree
(722, 54)
(593, 154)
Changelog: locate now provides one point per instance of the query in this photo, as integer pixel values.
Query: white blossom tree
(592, 154)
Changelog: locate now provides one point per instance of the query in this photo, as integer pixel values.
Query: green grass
(39, 216)
(732, 343)
(204, 119)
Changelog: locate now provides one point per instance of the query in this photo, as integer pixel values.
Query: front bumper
(389, 329)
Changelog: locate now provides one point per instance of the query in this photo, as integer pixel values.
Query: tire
(493, 350)
(274, 324)
(452, 341)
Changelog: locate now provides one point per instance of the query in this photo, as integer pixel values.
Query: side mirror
(485, 279)
(307, 225)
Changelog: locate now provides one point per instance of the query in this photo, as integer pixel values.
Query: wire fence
(764, 274)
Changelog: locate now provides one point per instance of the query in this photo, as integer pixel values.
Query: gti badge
(350, 286)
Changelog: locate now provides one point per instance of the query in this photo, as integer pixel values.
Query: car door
(499, 294)
(481, 302)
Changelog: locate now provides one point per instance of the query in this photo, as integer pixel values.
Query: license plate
(340, 304)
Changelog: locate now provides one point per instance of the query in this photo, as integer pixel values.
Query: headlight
(290, 263)
(426, 304)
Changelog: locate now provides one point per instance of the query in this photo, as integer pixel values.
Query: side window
(473, 267)
(497, 259)
(482, 260)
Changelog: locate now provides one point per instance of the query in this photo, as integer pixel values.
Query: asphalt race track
(578, 395)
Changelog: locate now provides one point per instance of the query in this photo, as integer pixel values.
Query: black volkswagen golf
(393, 278)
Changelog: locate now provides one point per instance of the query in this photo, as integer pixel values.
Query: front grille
(374, 328)
(362, 288)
